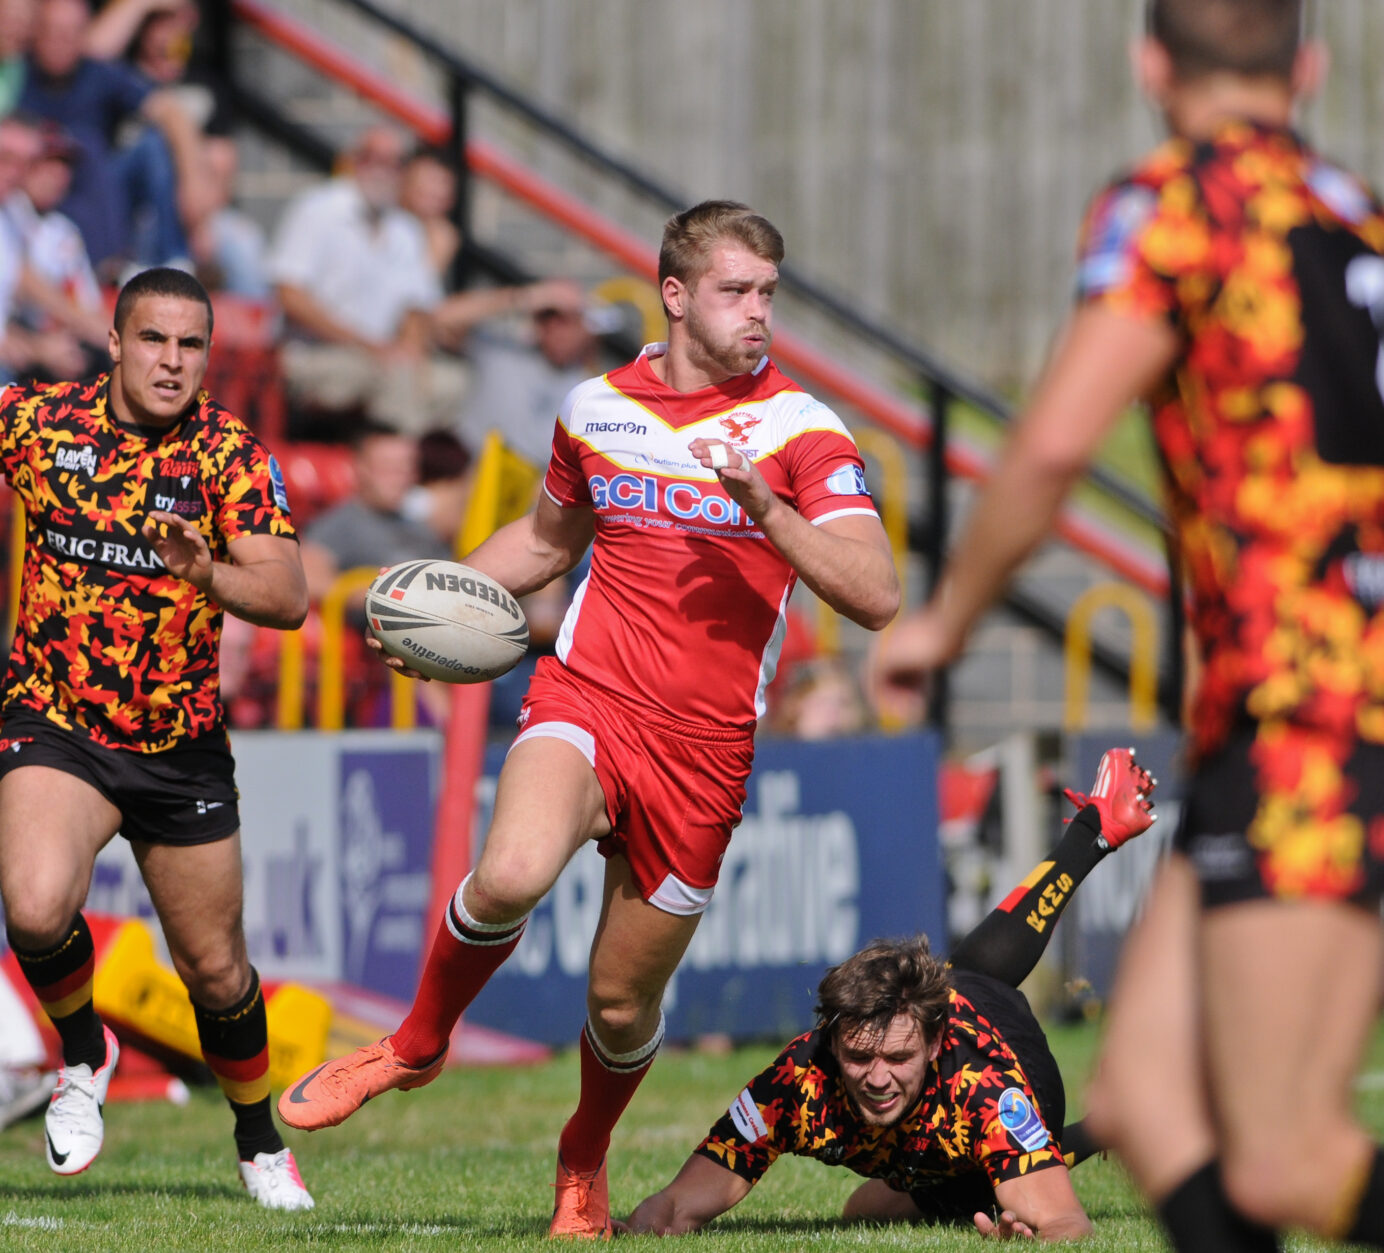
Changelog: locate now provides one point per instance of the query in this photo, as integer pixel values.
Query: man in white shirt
(351, 272)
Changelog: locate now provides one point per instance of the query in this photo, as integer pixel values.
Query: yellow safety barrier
(625, 289)
(331, 670)
(1143, 653)
(288, 713)
(331, 666)
(503, 490)
(133, 987)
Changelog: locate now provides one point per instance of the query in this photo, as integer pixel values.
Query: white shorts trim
(673, 896)
(580, 739)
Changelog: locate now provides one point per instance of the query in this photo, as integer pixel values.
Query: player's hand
(392, 662)
(902, 659)
(1004, 1227)
(739, 476)
(181, 547)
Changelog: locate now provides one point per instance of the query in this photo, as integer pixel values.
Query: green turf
(468, 1162)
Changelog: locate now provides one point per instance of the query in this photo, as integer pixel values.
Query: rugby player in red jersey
(710, 484)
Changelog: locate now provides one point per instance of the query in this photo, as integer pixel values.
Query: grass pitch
(467, 1163)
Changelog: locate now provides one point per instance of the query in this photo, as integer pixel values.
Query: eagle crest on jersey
(739, 431)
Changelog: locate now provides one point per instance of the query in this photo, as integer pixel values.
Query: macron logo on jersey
(749, 1122)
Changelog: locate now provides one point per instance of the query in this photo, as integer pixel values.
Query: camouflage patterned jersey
(977, 1113)
(108, 643)
(1266, 259)
(1268, 262)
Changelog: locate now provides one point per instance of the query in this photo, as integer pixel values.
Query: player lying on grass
(934, 1080)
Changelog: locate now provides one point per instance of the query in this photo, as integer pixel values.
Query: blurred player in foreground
(711, 483)
(152, 511)
(1236, 278)
(932, 1079)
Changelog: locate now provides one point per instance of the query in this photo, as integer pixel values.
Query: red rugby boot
(581, 1209)
(1121, 797)
(335, 1090)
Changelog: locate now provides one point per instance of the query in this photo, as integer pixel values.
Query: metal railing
(922, 426)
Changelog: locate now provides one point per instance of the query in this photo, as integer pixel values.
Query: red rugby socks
(465, 953)
(608, 1082)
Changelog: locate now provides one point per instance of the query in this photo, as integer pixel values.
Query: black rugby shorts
(185, 795)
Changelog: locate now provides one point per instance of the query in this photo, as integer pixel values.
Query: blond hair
(689, 236)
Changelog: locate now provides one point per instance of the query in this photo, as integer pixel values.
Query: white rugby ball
(446, 621)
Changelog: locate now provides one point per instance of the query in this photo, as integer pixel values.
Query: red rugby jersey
(683, 610)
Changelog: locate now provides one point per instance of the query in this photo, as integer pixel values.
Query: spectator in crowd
(16, 27)
(370, 527)
(130, 203)
(373, 528)
(229, 247)
(159, 39)
(57, 288)
(821, 701)
(352, 274)
(517, 385)
(429, 192)
(52, 349)
(443, 490)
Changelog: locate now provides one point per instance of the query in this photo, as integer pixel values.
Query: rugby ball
(446, 621)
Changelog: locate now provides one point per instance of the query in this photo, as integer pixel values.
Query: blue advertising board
(838, 846)
(386, 832)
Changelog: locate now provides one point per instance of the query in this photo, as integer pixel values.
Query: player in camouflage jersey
(1236, 278)
(151, 511)
(933, 1081)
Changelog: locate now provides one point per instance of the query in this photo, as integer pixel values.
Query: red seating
(316, 476)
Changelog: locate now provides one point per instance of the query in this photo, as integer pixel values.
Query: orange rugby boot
(581, 1209)
(1121, 797)
(335, 1090)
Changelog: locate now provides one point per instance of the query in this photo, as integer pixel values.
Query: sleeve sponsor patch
(276, 482)
(1112, 230)
(1340, 192)
(1021, 1121)
(744, 1113)
(847, 480)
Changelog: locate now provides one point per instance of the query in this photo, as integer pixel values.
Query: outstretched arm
(846, 561)
(1040, 1204)
(701, 1191)
(532, 551)
(1105, 361)
(262, 583)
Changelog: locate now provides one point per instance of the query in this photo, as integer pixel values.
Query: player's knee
(37, 920)
(615, 1020)
(213, 979)
(1258, 1187)
(505, 889)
